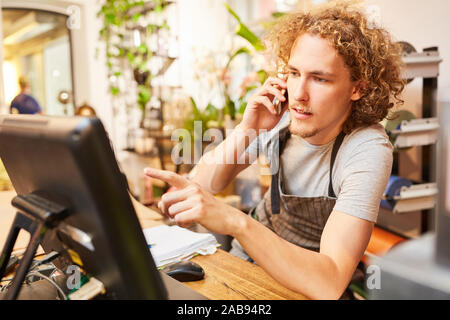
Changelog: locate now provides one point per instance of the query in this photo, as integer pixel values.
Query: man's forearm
(310, 273)
(218, 167)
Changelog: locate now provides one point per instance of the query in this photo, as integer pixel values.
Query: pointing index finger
(167, 176)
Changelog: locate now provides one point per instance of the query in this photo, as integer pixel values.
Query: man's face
(319, 90)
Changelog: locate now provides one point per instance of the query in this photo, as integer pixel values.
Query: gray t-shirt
(360, 173)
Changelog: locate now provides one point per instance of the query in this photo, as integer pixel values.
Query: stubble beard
(296, 129)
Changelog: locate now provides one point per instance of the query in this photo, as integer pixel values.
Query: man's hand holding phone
(261, 113)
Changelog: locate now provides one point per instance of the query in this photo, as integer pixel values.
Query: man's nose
(301, 90)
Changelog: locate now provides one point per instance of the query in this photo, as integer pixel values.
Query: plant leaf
(232, 12)
(242, 107)
(136, 17)
(143, 96)
(234, 55)
(262, 76)
(115, 91)
(229, 108)
(211, 112)
(278, 14)
(245, 33)
(142, 48)
(195, 111)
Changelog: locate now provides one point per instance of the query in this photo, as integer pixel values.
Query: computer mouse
(185, 271)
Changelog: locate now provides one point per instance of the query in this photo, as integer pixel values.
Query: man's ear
(358, 90)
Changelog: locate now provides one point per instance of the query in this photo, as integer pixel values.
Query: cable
(38, 274)
(46, 259)
(32, 272)
(6, 286)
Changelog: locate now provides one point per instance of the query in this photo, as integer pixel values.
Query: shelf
(416, 132)
(401, 211)
(421, 64)
(416, 197)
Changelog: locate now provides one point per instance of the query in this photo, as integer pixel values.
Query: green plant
(244, 32)
(123, 20)
(261, 75)
(209, 118)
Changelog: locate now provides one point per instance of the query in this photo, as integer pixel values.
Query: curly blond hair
(369, 52)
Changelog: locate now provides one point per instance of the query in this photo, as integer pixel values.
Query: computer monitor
(71, 158)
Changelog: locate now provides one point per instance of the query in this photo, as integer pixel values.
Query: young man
(315, 222)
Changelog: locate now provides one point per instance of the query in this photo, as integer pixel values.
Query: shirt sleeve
(12, 106)
(35, 105)
(365, 176)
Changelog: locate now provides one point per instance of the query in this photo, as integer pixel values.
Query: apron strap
(274, 188)
(336, 146)
(274, 191)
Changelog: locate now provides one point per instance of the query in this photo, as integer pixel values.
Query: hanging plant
(127, 27)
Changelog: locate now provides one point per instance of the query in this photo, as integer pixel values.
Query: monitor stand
(37, 214)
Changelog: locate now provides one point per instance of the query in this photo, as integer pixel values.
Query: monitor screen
(71, 158)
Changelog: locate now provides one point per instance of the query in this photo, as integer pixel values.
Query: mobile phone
(278, 104)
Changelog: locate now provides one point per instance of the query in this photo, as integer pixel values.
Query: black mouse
(185, 271)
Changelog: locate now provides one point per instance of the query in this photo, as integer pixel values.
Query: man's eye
(293, 73)
(321, 80)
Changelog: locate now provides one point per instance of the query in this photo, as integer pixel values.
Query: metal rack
(423, 133)
(420, 268)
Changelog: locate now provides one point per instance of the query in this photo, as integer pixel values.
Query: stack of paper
(172, 243)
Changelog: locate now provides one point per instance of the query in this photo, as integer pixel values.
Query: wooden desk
(226, 276)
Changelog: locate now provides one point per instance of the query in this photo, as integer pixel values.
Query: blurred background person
(24, 103)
